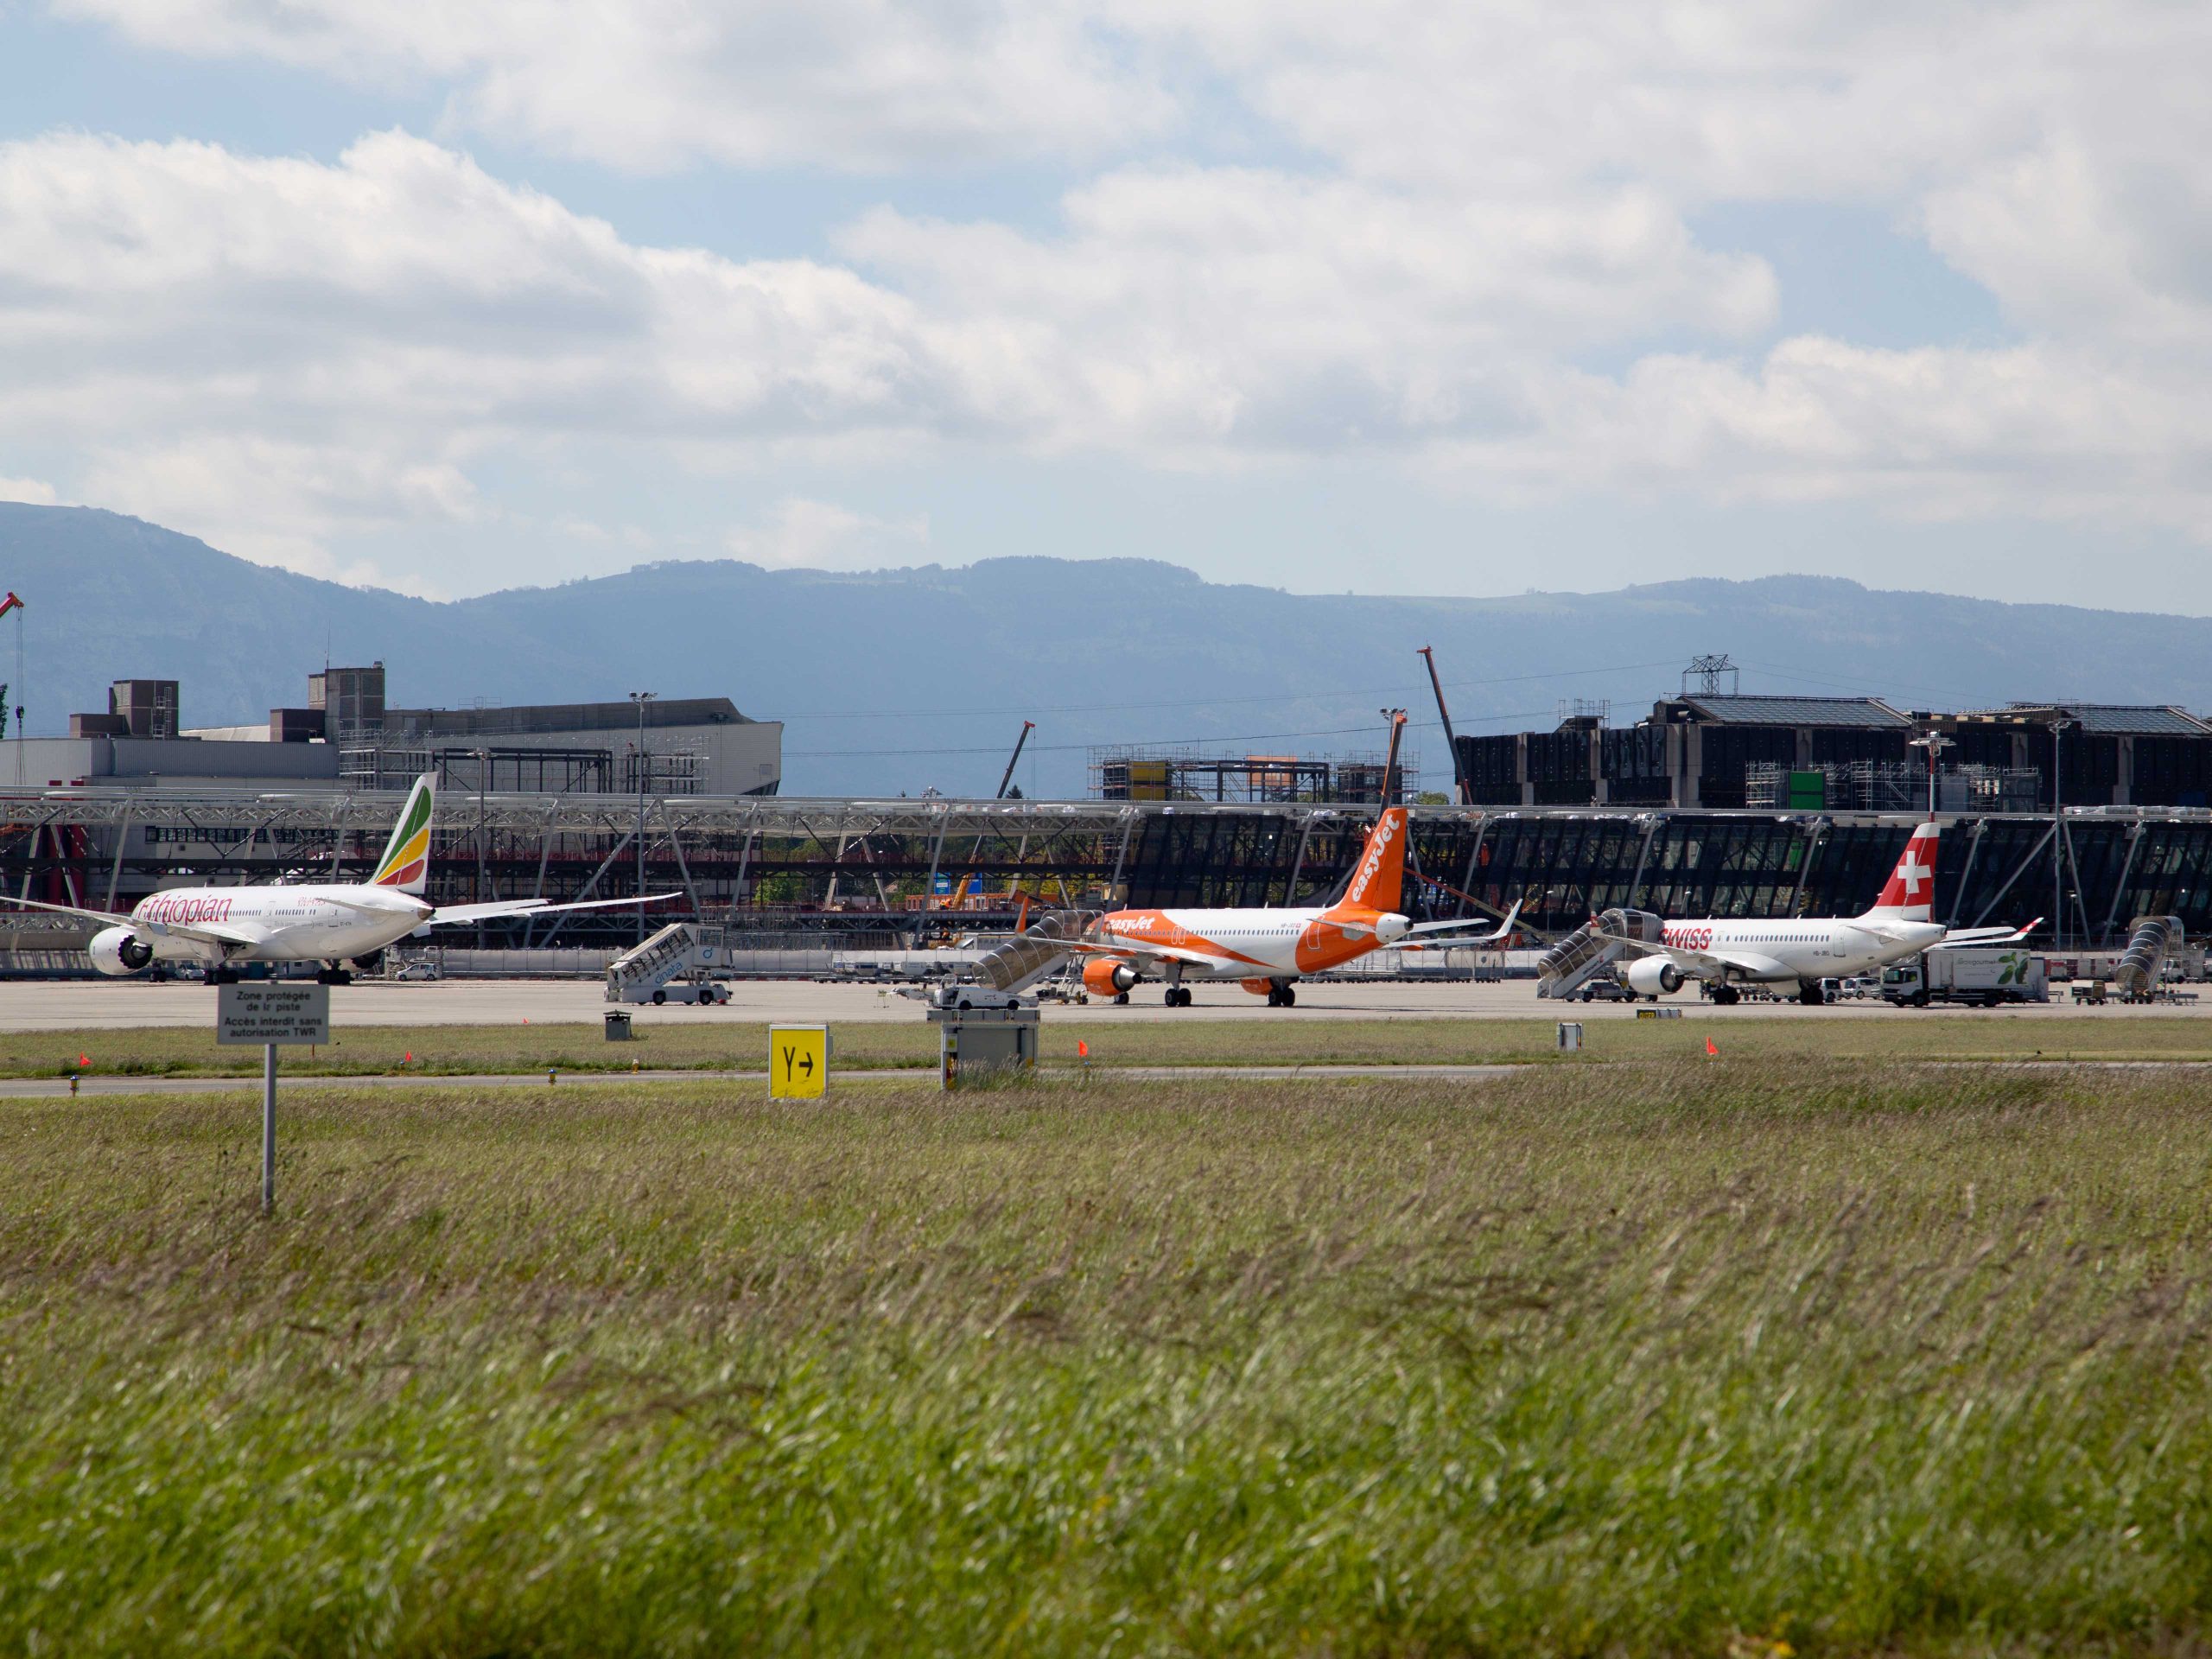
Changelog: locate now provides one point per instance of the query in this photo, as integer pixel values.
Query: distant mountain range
(897, 680)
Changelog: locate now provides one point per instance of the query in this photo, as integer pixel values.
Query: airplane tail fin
(1909, 893)
(1378, 881)
(406, 862)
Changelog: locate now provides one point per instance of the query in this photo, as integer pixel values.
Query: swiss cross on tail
(1910, 892)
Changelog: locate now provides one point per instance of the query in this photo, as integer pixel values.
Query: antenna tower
(1707, 671)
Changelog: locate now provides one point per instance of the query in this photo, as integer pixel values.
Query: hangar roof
(2116, 719)
(1741, 710)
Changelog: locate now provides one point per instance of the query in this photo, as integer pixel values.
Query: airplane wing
(448, 915)
(205, 932)
(1963, 936)
(106, 919)
(1710, 965)
(1149, 956)
(1497, 932)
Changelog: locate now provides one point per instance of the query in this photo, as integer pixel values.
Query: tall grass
(1145, 1037)
(1656, 1357)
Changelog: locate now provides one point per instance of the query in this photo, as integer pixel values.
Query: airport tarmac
(69, 1005)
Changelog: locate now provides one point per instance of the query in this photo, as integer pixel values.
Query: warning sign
(798, 1060)
(288, 1016)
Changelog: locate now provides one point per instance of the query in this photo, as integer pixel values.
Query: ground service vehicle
(1980, 977)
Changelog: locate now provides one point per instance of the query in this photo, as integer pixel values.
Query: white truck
(1980, 976)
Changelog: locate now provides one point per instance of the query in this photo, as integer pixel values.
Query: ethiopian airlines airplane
(1725, 954)
(1265, 950)
(333, 923)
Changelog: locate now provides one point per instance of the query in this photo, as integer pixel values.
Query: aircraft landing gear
(334, 976)
(1283, 997)
(1723, 996)
(1178, 997)
(222, 976)
(1809, 992)
(1120, 998)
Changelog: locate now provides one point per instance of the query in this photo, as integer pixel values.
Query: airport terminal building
(1713, 805)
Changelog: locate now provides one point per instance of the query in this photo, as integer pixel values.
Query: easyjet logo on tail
(1382, 865)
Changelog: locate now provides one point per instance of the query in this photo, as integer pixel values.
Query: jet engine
(118, 950)
(1654, 976)
(1104, 977)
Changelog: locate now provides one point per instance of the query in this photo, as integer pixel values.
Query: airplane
(1725, 954)
(333, 923)
(1263, 948)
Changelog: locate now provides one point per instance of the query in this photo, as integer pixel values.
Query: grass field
(1715, 1357)
(174, 1051)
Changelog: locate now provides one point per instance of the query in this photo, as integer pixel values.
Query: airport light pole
(1934, 742)
(483, 780)
(2057, 840)
(641, 698)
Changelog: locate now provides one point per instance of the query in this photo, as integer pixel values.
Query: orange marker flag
(1081, 1049)
(1711, 1048)
(84, 1059)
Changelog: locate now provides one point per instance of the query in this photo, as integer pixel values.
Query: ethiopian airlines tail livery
(1726, 954)
(332, 923)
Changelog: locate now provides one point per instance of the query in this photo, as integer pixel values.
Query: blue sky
(1398, 298)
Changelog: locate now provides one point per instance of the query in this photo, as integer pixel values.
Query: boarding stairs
(1585, 954)
(642, 973)
(1000, 975)
(2141, 972)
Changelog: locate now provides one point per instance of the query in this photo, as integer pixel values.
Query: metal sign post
(271, 1015)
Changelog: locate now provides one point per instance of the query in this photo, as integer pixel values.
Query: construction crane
(1006, 780)
(1014, 759)
(1459, 767)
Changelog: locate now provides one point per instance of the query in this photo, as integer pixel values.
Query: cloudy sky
(1404, 297)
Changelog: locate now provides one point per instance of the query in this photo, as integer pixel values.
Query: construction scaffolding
(1186, 774)
(1889, 787)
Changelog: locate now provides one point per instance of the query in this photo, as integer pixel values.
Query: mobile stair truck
(1978, 976)
(675, 965)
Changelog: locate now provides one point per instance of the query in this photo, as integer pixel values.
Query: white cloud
(36, 492)
(1203, 313)
(276, 351)
(822, 535)
(1451, 215)
(653, 83)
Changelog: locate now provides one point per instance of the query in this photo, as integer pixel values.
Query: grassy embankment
(726, 1043)
(1648, 1357)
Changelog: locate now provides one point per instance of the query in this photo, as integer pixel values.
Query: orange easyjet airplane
(1265, 950)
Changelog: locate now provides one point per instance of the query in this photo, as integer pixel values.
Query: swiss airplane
(1725, 954)
(1266, 949)
(333, 923)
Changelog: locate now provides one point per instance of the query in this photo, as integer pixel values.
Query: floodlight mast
(2058, 838)
(641, 698)
(1934, 742)
(1390, 779)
